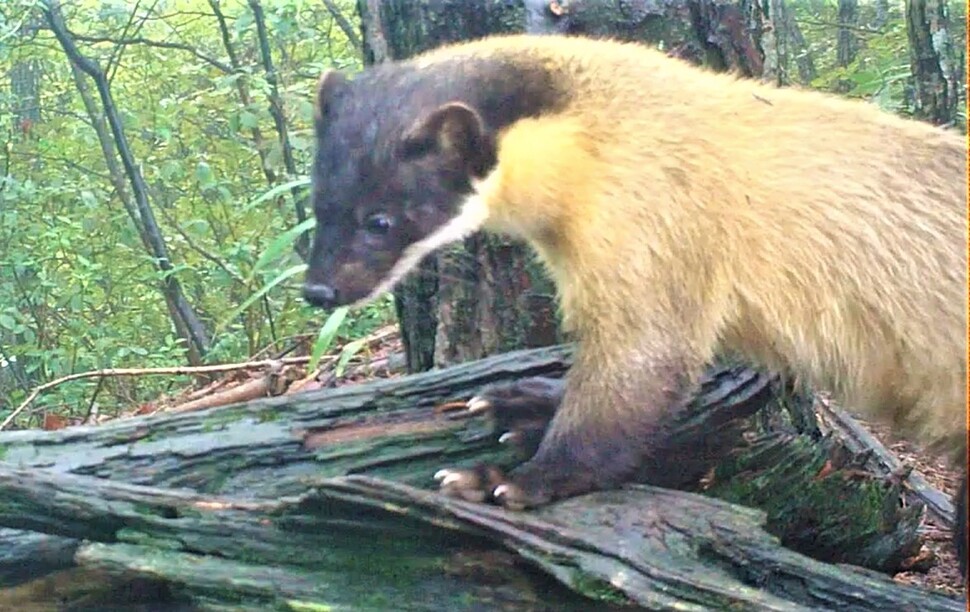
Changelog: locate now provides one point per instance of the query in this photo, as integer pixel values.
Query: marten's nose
(318, 294)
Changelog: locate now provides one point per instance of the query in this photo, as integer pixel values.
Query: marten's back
(812, 231)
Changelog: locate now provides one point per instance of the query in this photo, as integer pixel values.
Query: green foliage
(78, 290)
(879, 69)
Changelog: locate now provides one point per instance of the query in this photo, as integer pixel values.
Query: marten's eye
(378, 223)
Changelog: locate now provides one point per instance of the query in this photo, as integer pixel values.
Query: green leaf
(275, 191)
(171, 170)
(305, 109)
(274, 156)
(280, 244)
(285, 274)
(347, 354)
(203, 174)
(325, 338)
(248, 119)
(8, 322)
(88, 198)
(300, 144)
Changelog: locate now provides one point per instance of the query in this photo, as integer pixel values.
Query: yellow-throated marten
(680, 212)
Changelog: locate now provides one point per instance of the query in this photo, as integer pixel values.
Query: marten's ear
(455, 131)
(330, 84)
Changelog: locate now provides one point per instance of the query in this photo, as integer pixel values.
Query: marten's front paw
(520, 410)
(475, 484)
(531, 484)
(488, 483)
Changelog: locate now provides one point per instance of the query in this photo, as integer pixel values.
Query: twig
(858, 439)
(377, 336)
(177, 371)
(297, 338)
(343, 24)
(138, 40)
(92, 406)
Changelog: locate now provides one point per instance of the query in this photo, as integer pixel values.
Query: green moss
(133, 536)
(599, 590)
(836, 518)
(268, 416)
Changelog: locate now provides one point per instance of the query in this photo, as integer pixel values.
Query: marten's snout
(320, 295)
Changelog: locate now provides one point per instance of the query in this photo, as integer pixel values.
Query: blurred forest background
(153, 190)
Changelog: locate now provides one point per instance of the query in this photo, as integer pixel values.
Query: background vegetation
(150, 205)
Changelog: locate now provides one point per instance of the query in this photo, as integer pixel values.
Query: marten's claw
(478, 404)
(515, 497)
(520, 410)
(475, 484)
(522, 489)
(527, 399)
(510, 437)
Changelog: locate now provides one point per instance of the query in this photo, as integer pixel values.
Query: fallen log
(215, 484)
(655, 548)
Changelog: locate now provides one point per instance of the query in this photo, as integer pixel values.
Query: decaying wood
(858, 440)
(274, 380)
(259, 493)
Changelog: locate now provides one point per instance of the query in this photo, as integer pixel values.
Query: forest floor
(383, 358)
(937, 538)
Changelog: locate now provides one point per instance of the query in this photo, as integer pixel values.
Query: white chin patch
(470, 218)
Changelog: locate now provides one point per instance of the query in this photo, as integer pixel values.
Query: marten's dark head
(399, 150)
(391, 177)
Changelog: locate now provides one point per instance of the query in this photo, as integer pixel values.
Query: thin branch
(184, 314)
(242, 87)
(114, 57)
(176, 371)
(344, 24)
(173, 223)
(373, 338)
(138, 40)
(279, 119)
(843, 26)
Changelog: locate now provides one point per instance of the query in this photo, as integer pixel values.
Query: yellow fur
(805, 231)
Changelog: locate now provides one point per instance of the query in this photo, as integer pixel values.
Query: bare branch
(279, 118)
(344, 24)
(139, 40)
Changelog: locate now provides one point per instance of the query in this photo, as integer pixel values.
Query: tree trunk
(239, 554)
(250, 505)
(933, 61)
(25, 76)
(846, 44)
(799, 48)
(488, 295)
(882, 14)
